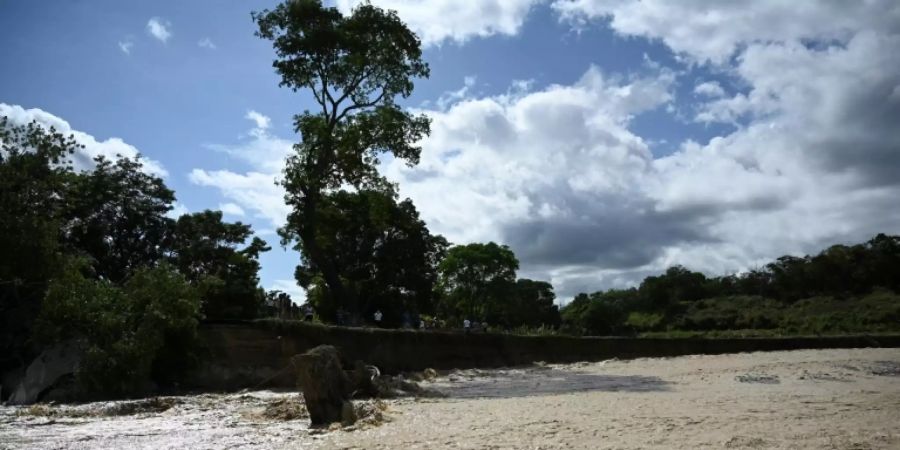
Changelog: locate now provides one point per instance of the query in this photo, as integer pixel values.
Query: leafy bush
(142, 330)
(640, 321)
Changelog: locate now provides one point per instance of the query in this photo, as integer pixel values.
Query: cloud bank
(559, 174)
(83, 158)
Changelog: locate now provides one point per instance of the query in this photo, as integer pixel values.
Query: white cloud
(254, 191)
(159, 29)
(559, 174)
(206, 43)
(437, 21)
(555, 173)
(298, 294)
(262, 122)
(83, 158)
(232, 209)
(178, 210)
(709, 89)
(126, 46)
(714, 30)
(451, 97)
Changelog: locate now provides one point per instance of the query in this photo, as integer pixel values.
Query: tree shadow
(547, 381)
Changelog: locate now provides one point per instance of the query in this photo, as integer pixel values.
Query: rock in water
(326, 389)
(361, 380)
(55, 362)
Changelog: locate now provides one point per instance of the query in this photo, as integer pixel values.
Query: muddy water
(838, 399)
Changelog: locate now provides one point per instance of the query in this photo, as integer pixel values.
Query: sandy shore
(822, 399)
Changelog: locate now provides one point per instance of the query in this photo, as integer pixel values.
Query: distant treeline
(842, 289)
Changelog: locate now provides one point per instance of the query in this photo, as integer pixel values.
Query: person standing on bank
(377, 317)
(466, 325)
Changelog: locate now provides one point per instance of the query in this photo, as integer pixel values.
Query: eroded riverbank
(841, 399)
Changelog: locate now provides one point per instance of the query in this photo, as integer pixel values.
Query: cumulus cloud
(83, 158)
(447, 20)
(262, 122)
(713, 31)
(232, 209)
(709, 89)
(554, 173)
(559, 174)
(254, 191)
(451, 97)
(160, 29)
(178, 210)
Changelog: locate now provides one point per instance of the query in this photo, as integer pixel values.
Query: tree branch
(360, 106)
(348, 92)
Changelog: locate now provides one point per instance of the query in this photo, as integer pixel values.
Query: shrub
(641, 321)
(146, 327)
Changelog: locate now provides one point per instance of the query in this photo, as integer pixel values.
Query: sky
(602, 140)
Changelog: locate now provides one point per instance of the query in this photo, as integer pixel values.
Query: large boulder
(326, 388)
(362, 379)
(43, 373)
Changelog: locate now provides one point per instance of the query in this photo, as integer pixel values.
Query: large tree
(355, 67)
(34, 173)
(388, 258)
(533, 304)
(477, 281)
(215, 256)
(116, 217)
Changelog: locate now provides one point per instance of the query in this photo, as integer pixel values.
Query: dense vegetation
(93, 256)
(842, 289)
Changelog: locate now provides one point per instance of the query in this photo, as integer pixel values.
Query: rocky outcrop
(326, 388)
(43, 373)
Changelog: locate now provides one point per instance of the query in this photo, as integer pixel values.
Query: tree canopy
(76, 244)
(388, 258)
(843, 288)
(208, 252)
(355, 67)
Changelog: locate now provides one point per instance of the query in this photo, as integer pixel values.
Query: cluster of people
(470, 326)
(408, 322)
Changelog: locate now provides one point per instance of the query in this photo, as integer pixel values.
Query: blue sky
(637, 134)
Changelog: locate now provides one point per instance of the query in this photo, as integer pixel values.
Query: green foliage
(532, 306)
(387, 256)
(476, 281)
(593, 315)
(842, 289)
(641, 321)
(112, 219)
(34, 173)
(116, 217)
(146, 327)
(355, 67)
(207, 251)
